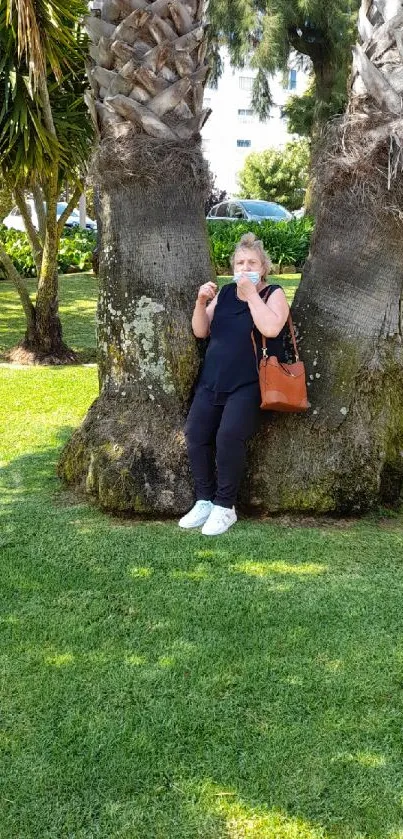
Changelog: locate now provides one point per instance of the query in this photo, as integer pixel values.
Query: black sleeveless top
(230, 360)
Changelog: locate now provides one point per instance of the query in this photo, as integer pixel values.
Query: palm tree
(44, 142)
(347, 454)
(147, 73)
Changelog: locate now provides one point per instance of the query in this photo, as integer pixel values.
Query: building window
(244, 144)
(292, 80)
(245, 112)
(246, 82)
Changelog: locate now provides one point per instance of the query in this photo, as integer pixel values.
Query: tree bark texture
(130, 451)
(147, 77)
(346, 454)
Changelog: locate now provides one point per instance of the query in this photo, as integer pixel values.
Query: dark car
(248, 210)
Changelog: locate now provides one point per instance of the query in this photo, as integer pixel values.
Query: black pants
(217, 429)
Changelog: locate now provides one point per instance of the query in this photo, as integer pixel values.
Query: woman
(225, 410)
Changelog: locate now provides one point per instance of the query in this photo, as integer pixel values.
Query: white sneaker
(219, 520)
(197, 515)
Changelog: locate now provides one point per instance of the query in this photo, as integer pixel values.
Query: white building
(233, 130)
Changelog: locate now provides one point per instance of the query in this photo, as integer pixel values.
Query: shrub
(286, 242)
(277, 174)
(75, 251)
(17, 246)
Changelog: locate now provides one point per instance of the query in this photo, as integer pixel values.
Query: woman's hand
(203, 315)
(246, 290)
(207, 292)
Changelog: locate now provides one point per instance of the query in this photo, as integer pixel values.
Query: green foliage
(75, 250)
(6, 199)
(17, 246)
(286, 242)
(277, 175)
(261, 100)
(269, 31)
(28, 147)
(306, 111)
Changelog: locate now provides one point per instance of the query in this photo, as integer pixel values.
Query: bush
(286, 242)
(75, 251)
(277, 174)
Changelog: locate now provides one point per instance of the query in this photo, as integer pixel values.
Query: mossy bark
(346, 453)
(130, 451)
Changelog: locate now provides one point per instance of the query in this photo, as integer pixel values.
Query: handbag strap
(290, 326)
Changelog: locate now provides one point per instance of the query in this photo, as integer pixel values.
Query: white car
(15, 221)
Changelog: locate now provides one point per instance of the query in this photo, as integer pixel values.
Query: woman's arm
(270, 317)
(202, 314)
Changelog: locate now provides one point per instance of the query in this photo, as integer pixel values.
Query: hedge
(286, 242)
(75, 251)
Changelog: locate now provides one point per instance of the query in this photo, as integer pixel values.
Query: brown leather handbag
(282, 385)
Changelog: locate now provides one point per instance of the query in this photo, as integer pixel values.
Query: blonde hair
(250, 241)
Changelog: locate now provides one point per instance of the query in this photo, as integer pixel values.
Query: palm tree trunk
(147, 100)
(346, 454)
(130, 450)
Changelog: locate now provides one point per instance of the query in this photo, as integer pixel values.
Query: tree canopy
(269, 31)
(277, 175)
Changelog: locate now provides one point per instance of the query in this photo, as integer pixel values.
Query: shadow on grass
(159, 684)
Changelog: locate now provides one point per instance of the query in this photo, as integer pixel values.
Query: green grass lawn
(158, 685)
(78, 296)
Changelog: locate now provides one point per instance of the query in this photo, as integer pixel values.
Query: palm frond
(29, 43)
(28, 149)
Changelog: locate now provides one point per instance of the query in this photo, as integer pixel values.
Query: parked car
(248, 210)
(15, 221)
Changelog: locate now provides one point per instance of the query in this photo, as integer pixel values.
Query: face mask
(253, 276)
